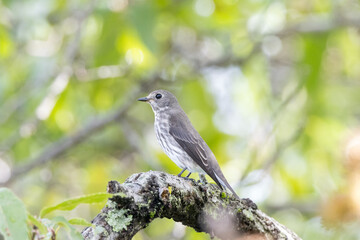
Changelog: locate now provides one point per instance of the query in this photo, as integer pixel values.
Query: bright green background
(272, 86)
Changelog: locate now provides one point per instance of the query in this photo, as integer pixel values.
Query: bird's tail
(222, 180)
(218, 176)
(225, 184)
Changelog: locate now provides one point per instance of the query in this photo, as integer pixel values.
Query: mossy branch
(204, 207)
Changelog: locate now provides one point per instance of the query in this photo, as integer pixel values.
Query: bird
(180, 141)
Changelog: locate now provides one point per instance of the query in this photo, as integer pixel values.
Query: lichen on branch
(202, 206)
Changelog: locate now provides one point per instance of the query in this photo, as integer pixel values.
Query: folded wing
(192, 143)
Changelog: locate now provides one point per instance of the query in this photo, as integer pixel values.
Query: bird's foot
(189, 179)
(203, 179)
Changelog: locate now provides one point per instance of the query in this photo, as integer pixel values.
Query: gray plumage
(179, 139)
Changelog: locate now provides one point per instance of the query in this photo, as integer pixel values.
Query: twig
(272, 158)
(64, 144)
(321, 24)
(17, 102)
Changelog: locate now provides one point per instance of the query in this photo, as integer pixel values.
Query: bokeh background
(272, 86)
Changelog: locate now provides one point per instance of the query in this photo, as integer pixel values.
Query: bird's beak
(144, 99)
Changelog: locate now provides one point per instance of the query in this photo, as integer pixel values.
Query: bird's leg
(203, 178)
(187, 177)
(182, 171)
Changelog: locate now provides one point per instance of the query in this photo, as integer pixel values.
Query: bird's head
(160, 100)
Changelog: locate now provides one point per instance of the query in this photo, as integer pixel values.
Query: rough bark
(202, 206)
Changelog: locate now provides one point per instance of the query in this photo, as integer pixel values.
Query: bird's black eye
(158, 96)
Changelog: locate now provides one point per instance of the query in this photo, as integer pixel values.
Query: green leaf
(80, 221)
(37, 223)
(70, 204)
(12, 216)
(61, 221)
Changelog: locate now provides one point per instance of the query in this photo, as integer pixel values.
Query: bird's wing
(187, 137)
(190, 140)
(192, 143)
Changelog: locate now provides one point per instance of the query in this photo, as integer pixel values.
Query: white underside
(173, 150)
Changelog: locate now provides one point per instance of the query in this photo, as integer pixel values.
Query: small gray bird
(179, 139)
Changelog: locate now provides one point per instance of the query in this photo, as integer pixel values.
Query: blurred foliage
(272, 86)
(12, 216)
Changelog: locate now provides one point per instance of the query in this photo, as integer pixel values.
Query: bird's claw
(189, 179)
(203, 179)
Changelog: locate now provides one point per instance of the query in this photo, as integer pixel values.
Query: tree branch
(64, 144)
(204, 207)
(321, 24)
